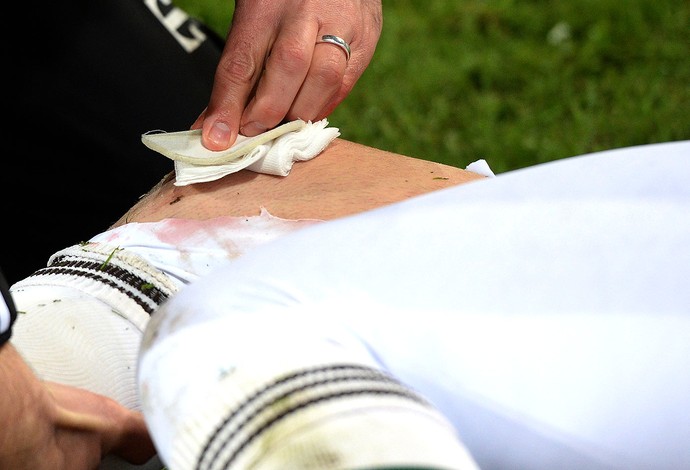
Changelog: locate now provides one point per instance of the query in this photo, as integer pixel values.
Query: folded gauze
(272, 152)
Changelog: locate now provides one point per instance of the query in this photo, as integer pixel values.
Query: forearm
(23, 410)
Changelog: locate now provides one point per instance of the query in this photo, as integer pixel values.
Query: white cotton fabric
(186, 249)
(4, 317)
(545, 312)
(290, 430)
(187, 146)
(274, 152)
(81, 324)
(481, 167)
(86, 332)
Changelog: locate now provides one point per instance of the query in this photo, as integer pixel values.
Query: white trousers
(545, 312)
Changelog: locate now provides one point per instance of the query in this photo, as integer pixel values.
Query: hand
(48, 425)
(272, 68)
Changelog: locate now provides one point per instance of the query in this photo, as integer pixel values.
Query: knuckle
(267, 110)
(327, 73)
(272, 114)
(239, 67)
(291, 57)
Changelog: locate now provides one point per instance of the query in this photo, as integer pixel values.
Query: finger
(119, 430)
(362, 49)
(238, 71)
(286, 69)
(199, 120)
(359, 61)
(232, 85)
(131, 441)
(325, 78)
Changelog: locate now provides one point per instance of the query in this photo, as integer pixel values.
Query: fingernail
(253, 128)
(220, 134)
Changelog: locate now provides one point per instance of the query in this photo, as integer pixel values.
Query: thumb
(121, 431)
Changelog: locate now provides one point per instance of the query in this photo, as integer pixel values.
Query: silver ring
(340, 42)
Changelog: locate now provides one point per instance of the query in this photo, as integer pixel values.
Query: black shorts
(88, 78)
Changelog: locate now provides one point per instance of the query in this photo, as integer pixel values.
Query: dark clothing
(99, 74)
(8, 314)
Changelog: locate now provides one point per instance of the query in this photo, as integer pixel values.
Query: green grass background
(516, 82)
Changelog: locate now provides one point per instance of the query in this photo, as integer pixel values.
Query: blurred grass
(516, 82)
